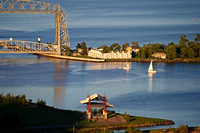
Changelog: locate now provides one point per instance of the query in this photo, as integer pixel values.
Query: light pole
(39, 42)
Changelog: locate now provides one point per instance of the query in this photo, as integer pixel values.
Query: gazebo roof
(95, 97)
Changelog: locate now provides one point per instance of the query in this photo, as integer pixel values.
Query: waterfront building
(96, 101)
(136, 50)
(111, 55)
(95, 53)
(129, 49)
(160, 55)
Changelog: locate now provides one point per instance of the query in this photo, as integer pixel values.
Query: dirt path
(113, 120)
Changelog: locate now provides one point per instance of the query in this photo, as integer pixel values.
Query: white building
(95, 53)
(111, 55)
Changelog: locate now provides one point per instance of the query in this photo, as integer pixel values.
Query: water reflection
(61, 68)
(150, 81)
(109, 65)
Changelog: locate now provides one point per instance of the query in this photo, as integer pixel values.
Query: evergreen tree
(84, 48)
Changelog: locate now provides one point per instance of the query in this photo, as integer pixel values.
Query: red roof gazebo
(96, 101)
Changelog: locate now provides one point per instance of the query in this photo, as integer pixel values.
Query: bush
(127, 117)
(41, 102)
(183, 128)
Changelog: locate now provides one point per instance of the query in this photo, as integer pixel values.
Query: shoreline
(176, 60)
(66, 119)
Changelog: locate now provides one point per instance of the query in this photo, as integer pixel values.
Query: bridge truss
(29, 6)
(16, 46)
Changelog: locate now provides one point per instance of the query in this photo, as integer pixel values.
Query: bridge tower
(28, 6)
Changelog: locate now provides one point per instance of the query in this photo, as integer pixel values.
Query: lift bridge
(28, 6)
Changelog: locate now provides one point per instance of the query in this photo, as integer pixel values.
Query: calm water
(172, 93)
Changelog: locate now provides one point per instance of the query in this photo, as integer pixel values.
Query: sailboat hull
(150, 71)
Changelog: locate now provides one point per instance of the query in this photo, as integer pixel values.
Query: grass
(38, 116)
(144, 120)
(14, 115)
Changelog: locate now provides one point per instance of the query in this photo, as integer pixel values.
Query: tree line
(19, 99)
(184, 49)
(116, 47)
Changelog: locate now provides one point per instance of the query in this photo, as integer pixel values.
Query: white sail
(151, 68)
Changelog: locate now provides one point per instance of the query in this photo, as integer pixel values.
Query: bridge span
(16, 46)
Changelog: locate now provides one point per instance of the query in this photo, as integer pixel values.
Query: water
(106, 22)
(172, 93)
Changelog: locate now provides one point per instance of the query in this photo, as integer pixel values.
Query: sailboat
(150, 70)
(126, 67)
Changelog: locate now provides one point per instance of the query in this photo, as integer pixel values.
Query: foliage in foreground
(17, 111)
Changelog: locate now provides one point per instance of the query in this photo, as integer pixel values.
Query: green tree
(171, 51)
(105, 48)
(125, 46)
(8, 97)
(115, 47)
(184, 52)
(135, 45)
(183, 40)
(149, 52)
(84, 48)
(197, 39)
(138, 54)
(78, 45)
(143, 52)
(67, 51)
(191, 53)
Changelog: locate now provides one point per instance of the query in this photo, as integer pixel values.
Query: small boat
(150, 70)
(126, 67)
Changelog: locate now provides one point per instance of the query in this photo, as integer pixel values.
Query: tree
(184, 52)
(115, 47)
(78, 45)
(143, 52)
(135, 45)
(105, 48)
(67, 51)
(84, 48)
(138, 54)
(183, 41)
(197, 39)
(171, 51)
(149, 52)
(125, 46)
(191, 53)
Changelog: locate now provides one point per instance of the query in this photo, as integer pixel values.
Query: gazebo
(96, 101)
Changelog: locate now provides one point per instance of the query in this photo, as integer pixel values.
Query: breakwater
(73, 58)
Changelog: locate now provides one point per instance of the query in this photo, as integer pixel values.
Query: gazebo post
(105, 114)
(89, 108)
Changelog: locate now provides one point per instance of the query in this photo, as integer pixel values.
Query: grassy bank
(14, 115)
(19, 114)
